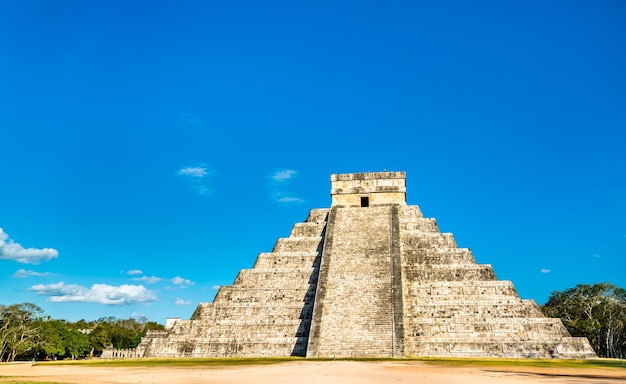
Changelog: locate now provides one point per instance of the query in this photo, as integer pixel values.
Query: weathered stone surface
(368, 277)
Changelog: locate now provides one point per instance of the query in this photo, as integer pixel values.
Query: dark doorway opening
(365, 201)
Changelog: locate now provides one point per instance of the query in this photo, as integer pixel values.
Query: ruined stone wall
(121, 353)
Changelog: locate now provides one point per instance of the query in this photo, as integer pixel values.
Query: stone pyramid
(369, 277)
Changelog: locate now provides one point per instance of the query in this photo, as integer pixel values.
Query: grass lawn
(184, 362)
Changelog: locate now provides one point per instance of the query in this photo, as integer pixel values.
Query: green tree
(26, 334)
(50, 340)
(19, 331)
(597, 312)
(76, 343)
(119, 333)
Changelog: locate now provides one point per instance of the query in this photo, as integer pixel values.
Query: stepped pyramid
(369, 277)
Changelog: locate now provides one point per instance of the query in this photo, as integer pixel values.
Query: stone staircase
(355, 309)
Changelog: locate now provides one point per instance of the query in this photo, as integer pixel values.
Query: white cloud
(281, 198)
(180, 281)
(191, 121)
(280, 181)
(193, 171)
(23, 273)
(198, 176)
(283, 175)
(179, 301)
(135, 272)
(148, 279)
(11, 250)
(98, 293)
(544, 270)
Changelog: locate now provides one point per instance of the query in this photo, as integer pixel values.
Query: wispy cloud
(135, 272)
(179, 301)
(544, 270)
(215, 287)
(98, 293)
(191, 121)
(11, 250)
(199, 177)
(23, 273)
(193, 171)
(148, 279)
(284, 175)
(181, 281)
(596, 255)
(280, 181)
(178, 281)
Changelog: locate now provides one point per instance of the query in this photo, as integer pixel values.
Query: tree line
(26, 333)
(597, 312)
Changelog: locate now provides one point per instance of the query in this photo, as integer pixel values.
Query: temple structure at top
(365, 189)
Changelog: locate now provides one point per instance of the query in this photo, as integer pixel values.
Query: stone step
(298, 244)
(258, 310)
(275, 278)
(479, 287)
(260, 321)
(563, 347)
(308, 229)
(416, 240)
(417, 301)
(487, 329)
(437, 256)
(305, 293)
(318, 215)
(415, 225)
(231, 347)
(408, 211)
(242, 329)
(467, 311)
(287, 260)
(448, 273)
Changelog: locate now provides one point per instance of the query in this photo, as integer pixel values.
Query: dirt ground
(309, 372)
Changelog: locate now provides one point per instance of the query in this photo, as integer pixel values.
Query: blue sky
(150, 150)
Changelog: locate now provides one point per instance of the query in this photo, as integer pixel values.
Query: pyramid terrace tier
(462, 272)
(277, 278)
(241, 295)
(488, 329)
(563, 348)
(294, 260)
(437, 256)
(253, 313)
(243, 330)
